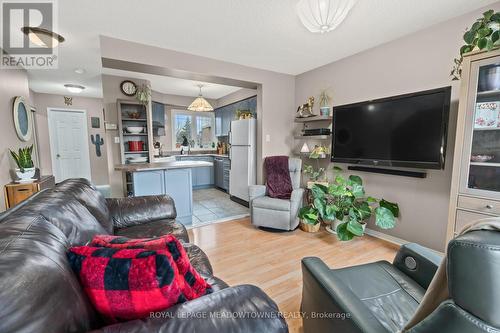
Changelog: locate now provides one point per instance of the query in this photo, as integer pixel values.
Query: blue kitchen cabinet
(148, 183)
(179, 186)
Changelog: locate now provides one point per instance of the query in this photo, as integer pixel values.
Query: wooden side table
(16, 192)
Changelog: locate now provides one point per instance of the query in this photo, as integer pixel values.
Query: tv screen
(406, 131)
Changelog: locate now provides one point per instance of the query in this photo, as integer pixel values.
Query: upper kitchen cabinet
(224, 115)
(158, 111)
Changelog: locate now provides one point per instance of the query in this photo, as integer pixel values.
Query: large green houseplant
(344, 201)
(484, 34)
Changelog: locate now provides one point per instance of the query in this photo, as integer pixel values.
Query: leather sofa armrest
(328, 305)
(256, 191)
(127, 212)
(418, 262)
(236, 309)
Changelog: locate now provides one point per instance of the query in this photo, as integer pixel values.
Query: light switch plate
(117, 139)
(268, 138)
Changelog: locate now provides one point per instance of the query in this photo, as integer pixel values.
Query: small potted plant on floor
(25, 170)
(309, 219)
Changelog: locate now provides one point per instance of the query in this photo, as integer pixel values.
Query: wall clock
(129, 88)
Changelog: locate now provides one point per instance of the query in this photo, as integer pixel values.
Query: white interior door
(68, 144)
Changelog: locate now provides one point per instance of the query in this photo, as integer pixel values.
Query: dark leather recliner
(381, 297)
(40, 293)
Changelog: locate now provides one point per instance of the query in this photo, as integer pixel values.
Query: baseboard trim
(385, 237)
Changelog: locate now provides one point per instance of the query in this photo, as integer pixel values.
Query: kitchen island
(171, 178)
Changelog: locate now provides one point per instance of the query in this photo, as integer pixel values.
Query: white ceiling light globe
(323, 15)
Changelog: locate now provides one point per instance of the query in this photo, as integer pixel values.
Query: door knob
(58, 155)
(489, 206)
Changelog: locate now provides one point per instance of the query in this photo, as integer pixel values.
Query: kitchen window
(197, 127)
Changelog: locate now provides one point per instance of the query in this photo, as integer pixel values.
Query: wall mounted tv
(405, 131)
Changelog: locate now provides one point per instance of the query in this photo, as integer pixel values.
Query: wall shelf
(136, 152)
(313, 137)
(486, 164)
(488, 93)
(133, 119)
(314, 118)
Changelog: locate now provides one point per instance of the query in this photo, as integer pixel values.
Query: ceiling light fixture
(320, 16)
(200, 104)
(43, 37)
(74, 88)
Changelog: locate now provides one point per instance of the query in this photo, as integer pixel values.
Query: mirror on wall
(22, 119)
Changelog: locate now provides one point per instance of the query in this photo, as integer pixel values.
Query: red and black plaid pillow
(195, 285)
(126, 284)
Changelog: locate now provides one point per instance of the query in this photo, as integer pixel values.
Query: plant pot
(28, 173)
(307, 227)
(311, 183)
(324, 110)
(332, 228)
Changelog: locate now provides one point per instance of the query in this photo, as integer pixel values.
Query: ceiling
(175, 86)
(259, 33)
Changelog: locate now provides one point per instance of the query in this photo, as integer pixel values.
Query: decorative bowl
(134, 129)
(481, 158)
(137, 159)
(134, 114)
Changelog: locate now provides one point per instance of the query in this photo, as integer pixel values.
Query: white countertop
(137, 167)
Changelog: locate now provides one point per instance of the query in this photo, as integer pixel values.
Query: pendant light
(200, 104)
(320, 16)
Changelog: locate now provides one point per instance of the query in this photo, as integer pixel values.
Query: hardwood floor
(243, 254)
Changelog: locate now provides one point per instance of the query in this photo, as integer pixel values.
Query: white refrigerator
(243, 158)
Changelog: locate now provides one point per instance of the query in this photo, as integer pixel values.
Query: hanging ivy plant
(483, 35)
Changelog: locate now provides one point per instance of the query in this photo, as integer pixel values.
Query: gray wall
(94, 108)
(416, 62)
(13, 83)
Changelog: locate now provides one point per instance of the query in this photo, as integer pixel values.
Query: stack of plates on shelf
(137, 159)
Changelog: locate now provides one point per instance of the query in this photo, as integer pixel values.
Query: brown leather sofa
(40, 293)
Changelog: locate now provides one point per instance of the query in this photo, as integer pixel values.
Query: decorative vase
(324, 110)
(307, 227)
(332, 228)
(28, 174)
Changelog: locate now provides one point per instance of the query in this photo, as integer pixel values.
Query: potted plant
(143, 94)
(344, 203)
(324, 103)
(25, 168)
(319, 152)
(484, 34)
(309, 219)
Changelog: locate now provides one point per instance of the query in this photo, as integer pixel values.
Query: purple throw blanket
(279, 183)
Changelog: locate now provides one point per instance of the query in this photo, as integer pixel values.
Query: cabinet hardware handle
(489, 206)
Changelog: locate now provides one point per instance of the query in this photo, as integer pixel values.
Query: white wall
(13, 83)
(416, 62)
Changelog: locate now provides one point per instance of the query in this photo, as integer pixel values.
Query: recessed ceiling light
(74, 88)
(79, 70)
(43, 37)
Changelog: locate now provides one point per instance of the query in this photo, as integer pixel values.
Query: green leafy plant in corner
(484, 34)
(23, 158)
(345, 197)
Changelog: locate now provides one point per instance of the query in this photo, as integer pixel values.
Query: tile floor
(213, 205)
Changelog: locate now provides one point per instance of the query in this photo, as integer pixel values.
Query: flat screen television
(406, 131)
